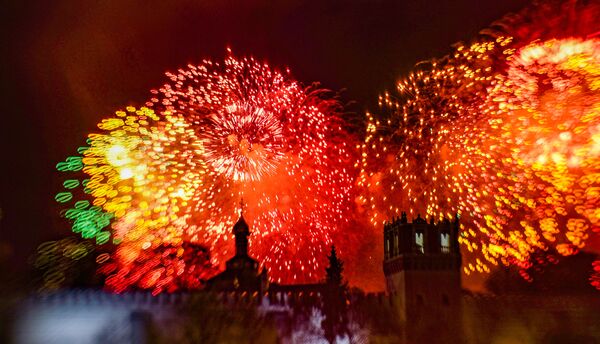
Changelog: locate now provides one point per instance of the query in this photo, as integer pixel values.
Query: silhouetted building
(422, 265)
(424, 303)
(241, 272)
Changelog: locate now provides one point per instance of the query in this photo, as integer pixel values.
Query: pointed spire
(242, 206)
(241, 231)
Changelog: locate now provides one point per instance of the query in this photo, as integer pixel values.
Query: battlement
(144, 299)
(418, 238)
(96, 297)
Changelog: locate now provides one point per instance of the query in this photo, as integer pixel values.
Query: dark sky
(67, 64)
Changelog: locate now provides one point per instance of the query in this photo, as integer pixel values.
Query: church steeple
(241, 271)
(241, 232)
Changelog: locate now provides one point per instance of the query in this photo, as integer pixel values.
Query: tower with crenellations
(422, 264)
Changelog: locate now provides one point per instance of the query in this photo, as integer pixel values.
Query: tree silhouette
(335, 307)
(334, 271)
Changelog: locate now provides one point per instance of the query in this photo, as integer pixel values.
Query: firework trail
(173, 173)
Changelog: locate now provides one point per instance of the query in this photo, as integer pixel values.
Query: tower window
(420, 241)
(387, 247)
(445, 242)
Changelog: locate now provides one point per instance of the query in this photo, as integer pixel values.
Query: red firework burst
(171, 175)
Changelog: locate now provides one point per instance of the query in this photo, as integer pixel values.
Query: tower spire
(242, 206)
(241, 232)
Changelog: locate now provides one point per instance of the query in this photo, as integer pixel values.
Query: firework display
(171, 174)
(507, 138)
(504, 132)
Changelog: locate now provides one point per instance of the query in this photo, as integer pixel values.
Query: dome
(241, 227)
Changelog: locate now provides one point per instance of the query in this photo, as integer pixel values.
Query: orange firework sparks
(507, 139)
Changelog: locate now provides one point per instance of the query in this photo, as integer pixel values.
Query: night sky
(67, 64)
